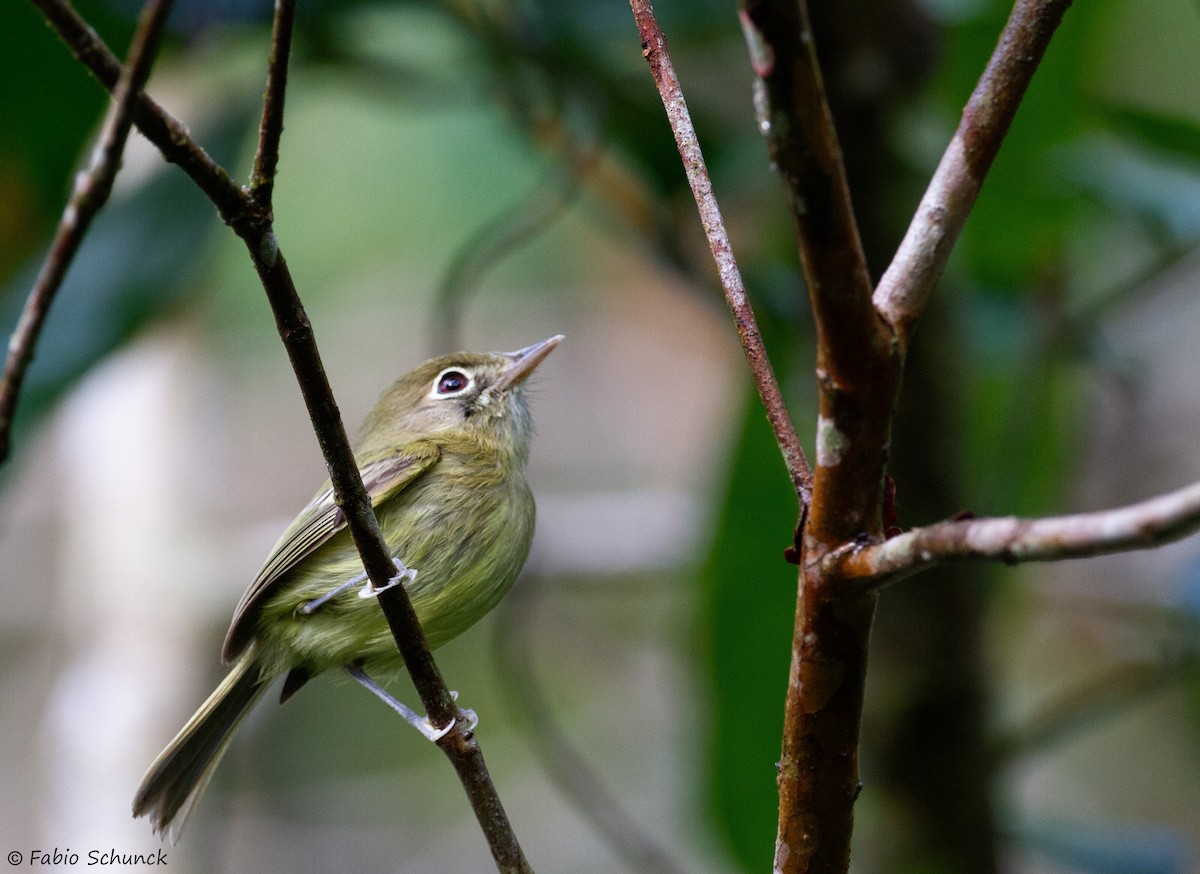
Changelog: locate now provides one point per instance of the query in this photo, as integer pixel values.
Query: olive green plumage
(442, 455)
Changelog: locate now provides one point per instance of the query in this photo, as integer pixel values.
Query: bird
(442, 455)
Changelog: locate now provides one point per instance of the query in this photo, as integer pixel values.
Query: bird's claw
(403, 572)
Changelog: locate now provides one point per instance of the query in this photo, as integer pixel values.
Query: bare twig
(262, 183)
(1158, 520)
(654, 48)
(906, 285)
(92, 188)
(459, 745)
(249, 214)
(1171, 260)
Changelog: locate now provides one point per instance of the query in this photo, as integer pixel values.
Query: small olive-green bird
(442, 455)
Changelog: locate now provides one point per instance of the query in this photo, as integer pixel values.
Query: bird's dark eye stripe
(452, 382)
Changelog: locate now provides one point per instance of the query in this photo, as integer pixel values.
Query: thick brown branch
(654, 48)
(92, 188)
(858, 367)
(794, 118)
(1158, 520)
(905, 287)
(857, 362)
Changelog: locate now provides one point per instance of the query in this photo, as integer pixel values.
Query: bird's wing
(317, 522)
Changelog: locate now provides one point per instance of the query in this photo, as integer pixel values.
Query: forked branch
(861, 343)
(249, 212)
(858, 369)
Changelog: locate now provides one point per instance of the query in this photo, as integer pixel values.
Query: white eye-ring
(451, 382)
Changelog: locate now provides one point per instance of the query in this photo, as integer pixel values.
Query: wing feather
(320, 519)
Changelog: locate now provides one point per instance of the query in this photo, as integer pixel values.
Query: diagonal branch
(460, 744)
(795, 120)
(1111, 693)
(490, 243)
(250, 217)
(91, 192)
(906, 285)
(654, 48)
(631, 840)
(1010, 539)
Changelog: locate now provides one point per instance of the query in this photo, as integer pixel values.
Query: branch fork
(845, 547)
(248, 211)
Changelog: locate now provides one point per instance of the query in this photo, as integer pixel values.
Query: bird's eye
(451, 382)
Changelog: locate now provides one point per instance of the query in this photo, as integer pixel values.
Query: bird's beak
(524, 361)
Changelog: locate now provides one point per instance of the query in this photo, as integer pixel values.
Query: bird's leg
(420, 723)
(311, 606)
(367, 591)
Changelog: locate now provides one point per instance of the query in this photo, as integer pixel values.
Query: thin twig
(906, 285)
(1168, 262)
(91, 192)
(1157, 520)
(245, 213)
(459, 745)
(270, 130)
(158, 126)
(654, 48)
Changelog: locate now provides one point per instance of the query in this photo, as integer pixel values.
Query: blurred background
(482, 175)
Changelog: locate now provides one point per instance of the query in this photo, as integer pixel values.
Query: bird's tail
(178, 776)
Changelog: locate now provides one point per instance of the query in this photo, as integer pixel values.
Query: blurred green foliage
(750, 598)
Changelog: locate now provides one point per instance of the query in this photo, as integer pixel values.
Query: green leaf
(1167, 133)
(750, 602)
